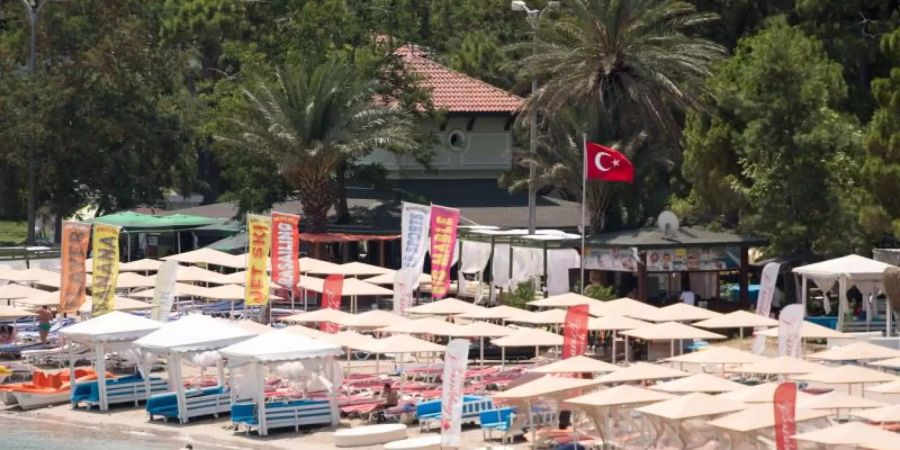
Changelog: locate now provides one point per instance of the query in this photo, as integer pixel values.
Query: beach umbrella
(17, 291)
(600, 404)
(887, 388)
(44, 299)
(546, 317)
(892, 363)
(683, 312)
(239, 277)
(229, 292)
(691, 406)
(317, 266)
(119, 304)
(142, 265)
(759, 417)
(669, 331)
(181, 290)
(478, 330)
(351, 340)
(738, 319)
(131, 280)
(501, 312)
(641, 372)
(576, 364)
(388, 278)
(527, 337)
(700, 382)
(351, 287)
(781, 365)
(880, 445)
(447, 306)
(251, 326)
(208, 256)
(9, 312)
(809, 330)
(837, 401)
(28, 275)
(322, 315)
(626, 307)
(847, 374)
(564, 301)
(718, 355)
(361, 269)
(850, 433)
(402, 344)
(761, 393)
(197, 275)
(882, 414)
(425, 325)
(855, 352)
(375, 318)
(615, 324)
(301, 330)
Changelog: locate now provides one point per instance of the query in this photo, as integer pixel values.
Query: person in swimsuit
(44, 318)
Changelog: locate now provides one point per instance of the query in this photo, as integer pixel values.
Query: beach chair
(199, 402)
(130, 389)
(57, 356)
(430, 412)
(282, 414)
(497, 419)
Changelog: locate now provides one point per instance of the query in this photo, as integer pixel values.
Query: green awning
(133, 222)
(235, 244)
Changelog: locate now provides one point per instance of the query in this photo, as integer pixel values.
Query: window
(457, 140)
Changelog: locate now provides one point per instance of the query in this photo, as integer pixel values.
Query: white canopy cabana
(600, 405)
(847, 271)
(191, 334)
(282, 346)
(105, 333)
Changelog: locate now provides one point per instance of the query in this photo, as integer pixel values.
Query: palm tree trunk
(341, 208)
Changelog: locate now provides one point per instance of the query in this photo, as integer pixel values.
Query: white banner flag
(455, 360)
(790, 322)
(764, 301)
(164, 291)
(414, 225)
(405, 283)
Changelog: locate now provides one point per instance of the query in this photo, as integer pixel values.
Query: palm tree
(632, 59)
(309, 121)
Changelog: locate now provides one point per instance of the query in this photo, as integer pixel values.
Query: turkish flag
(606, 164)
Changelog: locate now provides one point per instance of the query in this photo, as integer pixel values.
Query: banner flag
(74, 247)
(764, 301)
(332, 291)
(164, 291)
(286, 250)
(575, 331)
(606, 164)
(256, 291)
(456, 359)
(105, 270)
(405, 282)
(444, 222)
(790, 322)
(785, 405)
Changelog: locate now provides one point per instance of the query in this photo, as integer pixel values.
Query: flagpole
(583, 202)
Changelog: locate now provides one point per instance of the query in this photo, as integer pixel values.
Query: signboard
(332, 292)
(256, 290)
(764, 301)
(575, 331)
(790, 322)
(74, 277)
(785, 404)
(105, 270)
(455, 361)
(444, 222)
(164, 291)
(286, 250)
(664, 260)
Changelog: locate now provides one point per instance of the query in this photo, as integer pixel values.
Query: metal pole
(532, 143)
(32, 9)
(583, 203)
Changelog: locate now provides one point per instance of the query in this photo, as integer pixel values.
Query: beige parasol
(615, 323)
(447, 306)
(181, 290)
(738, 319)
(669, 331)
(640, 372)
(545, 386)
(131, 280)
(761, 393)
(141, 265)
(547, 317)
(527, 337)
(888, 413)
(683, 312)
(322, 315)
(577, 364)
(626, 307)
(809, 330)
(623, 394)
(318, 266)
(229, 292)
(846, 374)
(837, 400)
(850, 433)
(718, 355)
(887, 388)
(700, 382)
(691, 406)
(45, 299)
(388, 278)
(759, 417)
(855, 352)
(782, 365)
(16, 291)
(375, 318)
(8, 312)
(198, 275)
(119, 304)
(892, 363)
(501, 312)
(478, 330)
(306, 331)
(425, 325)
(402, 343)
(207, 256)
(351, 287)
(564, 301)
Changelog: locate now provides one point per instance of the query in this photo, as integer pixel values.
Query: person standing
(687, 295)
(45, 316)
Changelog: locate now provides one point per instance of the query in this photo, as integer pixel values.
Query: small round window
(457, 140)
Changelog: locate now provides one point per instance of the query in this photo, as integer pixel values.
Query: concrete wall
(486, 153)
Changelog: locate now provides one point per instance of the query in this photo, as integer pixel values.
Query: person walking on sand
(44, 318)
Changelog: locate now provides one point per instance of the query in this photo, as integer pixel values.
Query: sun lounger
(16, 349)
(130, 389)
(58, 356)
(369, 435)
(497, 420)
(282, 414)
(430, 412)
(200, 402)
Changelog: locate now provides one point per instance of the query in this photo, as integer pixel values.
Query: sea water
(28, 434)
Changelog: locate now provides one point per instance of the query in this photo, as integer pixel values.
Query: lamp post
(534, 19)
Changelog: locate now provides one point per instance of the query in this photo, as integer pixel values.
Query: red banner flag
(785, 424)
(286, 250)
(444, 222)
(331, 298)
(575, 331)
(75, 237)
(606, 164)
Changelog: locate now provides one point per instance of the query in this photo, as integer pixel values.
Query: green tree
(880, 215)
(308, 121)
(774, 156)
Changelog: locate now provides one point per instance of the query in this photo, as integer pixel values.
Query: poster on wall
(614, 259)
(693, 259)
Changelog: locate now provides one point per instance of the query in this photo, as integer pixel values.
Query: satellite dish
(667, 223)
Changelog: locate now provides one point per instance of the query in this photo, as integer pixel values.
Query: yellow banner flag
(105, 251)
(256, 291)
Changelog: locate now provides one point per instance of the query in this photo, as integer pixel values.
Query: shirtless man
(44, 318)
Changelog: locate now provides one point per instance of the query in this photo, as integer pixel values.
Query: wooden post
(744, 274)
(642, 277)
(381, 253)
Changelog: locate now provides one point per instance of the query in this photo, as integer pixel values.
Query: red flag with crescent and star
(606, 164)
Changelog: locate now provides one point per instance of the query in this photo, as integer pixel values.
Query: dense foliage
(791, 134)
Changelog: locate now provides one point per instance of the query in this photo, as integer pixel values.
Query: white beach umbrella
(781, 365)
(641, 372)
(700, 382)
(576, 364)
(850, 433)
(855, 351)
(446, 306)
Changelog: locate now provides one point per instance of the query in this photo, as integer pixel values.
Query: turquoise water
(24, 434)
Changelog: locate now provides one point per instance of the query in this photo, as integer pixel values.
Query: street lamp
(534, 19)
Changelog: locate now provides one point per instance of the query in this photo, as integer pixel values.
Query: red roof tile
(456, 92)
